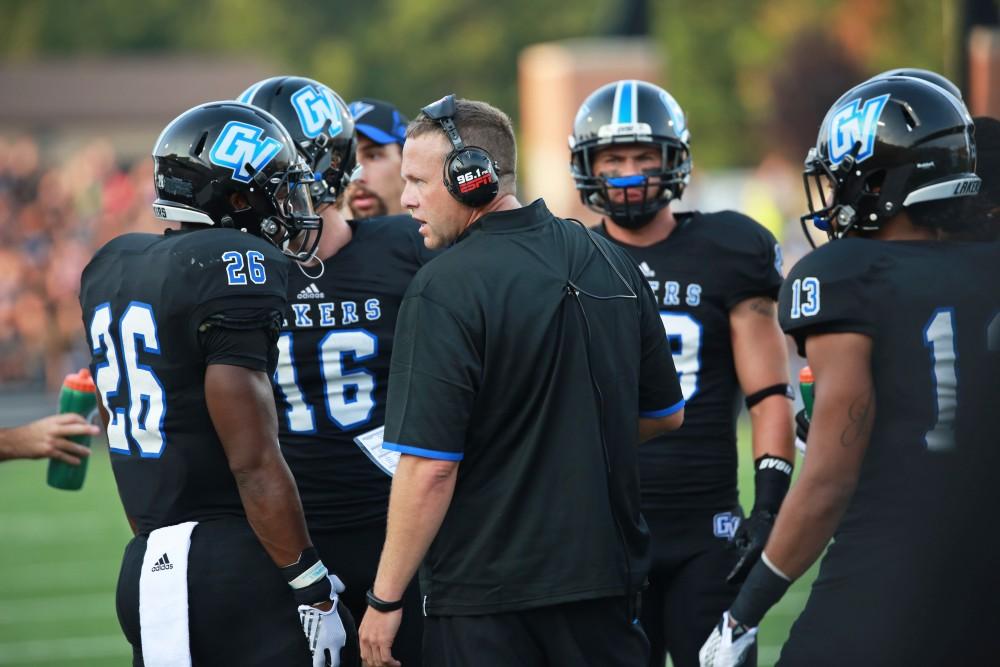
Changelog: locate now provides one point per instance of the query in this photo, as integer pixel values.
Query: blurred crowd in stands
(52, 219)
(54, 214)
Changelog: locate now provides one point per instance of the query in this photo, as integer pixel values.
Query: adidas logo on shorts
(311, 292)
(163, 564)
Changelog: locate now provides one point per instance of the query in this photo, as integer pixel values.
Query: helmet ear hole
(874, 181)
(200, 146)
(238, 201)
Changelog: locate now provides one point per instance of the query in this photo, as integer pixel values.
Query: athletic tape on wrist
(310, 576)
(306, 570)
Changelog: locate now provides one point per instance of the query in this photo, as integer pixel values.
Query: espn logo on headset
(472, 180)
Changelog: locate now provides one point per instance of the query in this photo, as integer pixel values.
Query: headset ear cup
(471, 177)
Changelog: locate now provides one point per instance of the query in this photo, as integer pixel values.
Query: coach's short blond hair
(482, 125)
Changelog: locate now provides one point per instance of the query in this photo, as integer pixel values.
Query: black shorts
(687, 590)
(352, 554)
(590, 633)
(240, 609)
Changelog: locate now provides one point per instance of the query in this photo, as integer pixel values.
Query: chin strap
(302, 267)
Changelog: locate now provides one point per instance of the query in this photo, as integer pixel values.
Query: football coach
(517, 487)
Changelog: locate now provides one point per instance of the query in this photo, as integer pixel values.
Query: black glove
(802, 422)
(771, 479)
(749, 540)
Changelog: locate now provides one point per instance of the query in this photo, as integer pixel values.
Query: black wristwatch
(378, 604)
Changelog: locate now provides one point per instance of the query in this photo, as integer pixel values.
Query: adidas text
(311, 292)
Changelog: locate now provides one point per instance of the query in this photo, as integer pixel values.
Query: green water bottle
(77, 395)
(806, 381)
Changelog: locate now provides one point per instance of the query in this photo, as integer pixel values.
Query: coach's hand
(377, 632)
(749, 541)
(728, 644)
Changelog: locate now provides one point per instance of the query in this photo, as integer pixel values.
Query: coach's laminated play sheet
(370, 443)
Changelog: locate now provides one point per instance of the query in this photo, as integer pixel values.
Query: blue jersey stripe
(665, 412)
(425, 453)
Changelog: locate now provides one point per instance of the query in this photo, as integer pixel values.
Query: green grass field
(59, 558)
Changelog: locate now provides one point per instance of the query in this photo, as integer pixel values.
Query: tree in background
(721, 56)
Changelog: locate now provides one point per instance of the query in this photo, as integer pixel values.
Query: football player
(182, 329)
(900, 326)
(381, 134)
(335, 345)
(716, 278)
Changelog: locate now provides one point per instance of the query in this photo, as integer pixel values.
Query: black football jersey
(144, 297)
(930, 309)
(333, 369)
(708, 264)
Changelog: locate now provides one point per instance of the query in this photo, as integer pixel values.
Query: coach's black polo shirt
(491, 368)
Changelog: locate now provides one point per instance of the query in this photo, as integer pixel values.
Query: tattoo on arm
(860, 416)
(763, 306)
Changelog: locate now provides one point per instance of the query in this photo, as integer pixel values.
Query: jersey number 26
(145, 406)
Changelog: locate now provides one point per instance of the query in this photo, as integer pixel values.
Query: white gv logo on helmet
(239, 145)
(854, 123)
(315, 105)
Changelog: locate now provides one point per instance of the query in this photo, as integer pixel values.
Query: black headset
(470, 172)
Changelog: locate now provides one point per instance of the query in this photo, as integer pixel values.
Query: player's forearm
(421, 493)
(272, 505)
(842, 422)
(761, 361)
(241, 405)
(772, 428)
(807, 520)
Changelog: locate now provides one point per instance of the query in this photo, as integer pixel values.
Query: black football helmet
(886, 144)
(214, 151)
(320, 123)
(925, 74)
(630, 112)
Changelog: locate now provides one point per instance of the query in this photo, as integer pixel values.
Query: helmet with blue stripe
(630, 112)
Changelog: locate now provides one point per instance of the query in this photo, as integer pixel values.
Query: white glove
(726, 646)
(325, 630)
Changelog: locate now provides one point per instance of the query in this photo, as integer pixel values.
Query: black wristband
(308, 578)
(378, 604)
(771, 480)
(314, 593)
(783, 388)
(762, 589)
